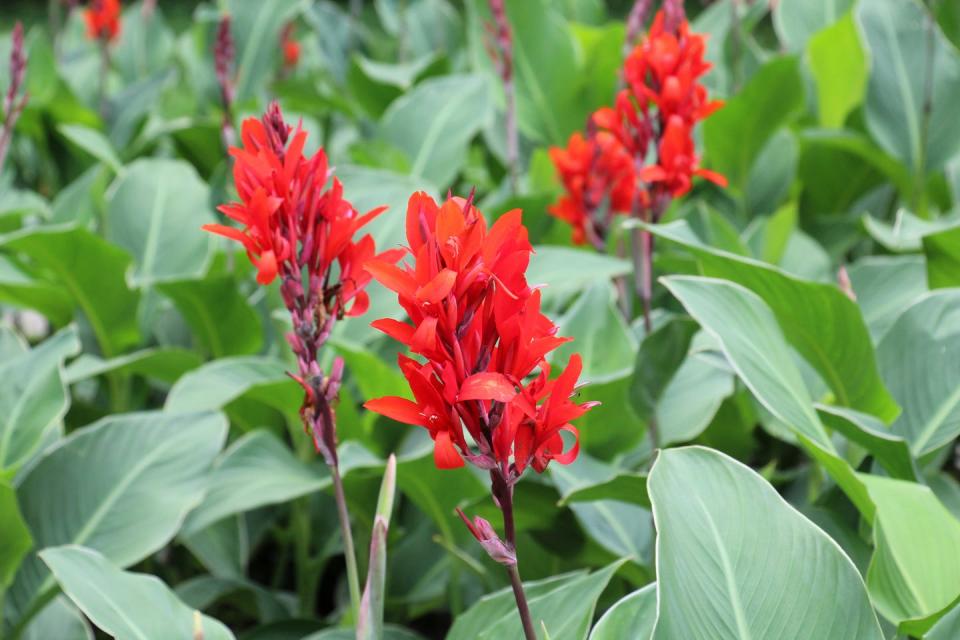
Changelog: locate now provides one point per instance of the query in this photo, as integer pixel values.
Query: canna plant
(483, 390)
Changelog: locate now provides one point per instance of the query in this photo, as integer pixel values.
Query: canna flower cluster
(289, 46)
(606, 172)
(103, 20)
(297, 229)
(477, 325)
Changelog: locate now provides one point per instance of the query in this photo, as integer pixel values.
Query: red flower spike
(103, 20)
(290, 47)
(478, 326)
(295, 227)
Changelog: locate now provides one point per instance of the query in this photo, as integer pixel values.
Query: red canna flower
(478, 326)
(103, 20)
(678, 161)
(291, 48)
(296, 227)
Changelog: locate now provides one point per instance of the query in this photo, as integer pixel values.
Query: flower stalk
(13, 102)
(223, 59)
(502, 56)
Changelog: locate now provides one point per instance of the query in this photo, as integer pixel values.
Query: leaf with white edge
(19, 289)
(437, 146)
(61, 620)
(905, 233)
(154, 211)
(692, 398)
(218, 383)
(795, 21)
(756, 348)
(93, 271)
(906, 45)
(885, 286)
(125, 604)
(564, 271)
(731, 552)
(15, 539)
(920, 361)
(33, 398)
(943, 258)
(914, 575)
(121, 486)
(94, 143)
(890, 450)
(818, 319)
(564, 604)
(166, 364)
(599, 334)
(632, 616)
(947, 628)
(254, 471)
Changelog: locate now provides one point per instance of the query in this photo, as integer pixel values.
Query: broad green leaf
(885, 286)
(20, 290)
(620, 527)
(947, 628)
(818, 319)
(772, 174)
(33, 398)
(839, 70)
(166, 364)
(757, 350)
(146, 43)
(599, 334)
(401, 75)
(126, 604)
(370, 618)
(216, 384)
(256, 27)
(910, 113)
(660, 355)
(545, 65)
(60, 620)
(914, 576)
(437, 145)
(630, 487)
(731, 554)
(906, 232)
(155, 211)
(93, 271)
(94, 143)
(920, 360)
(204, 591)
(736, 134)
(222, 320)
(795, 21)
(566, 271)
(15, 538)
(943, 258)
(692, 398)
(121, 486)
(891, 451)
(632, 616)
(564, 605)
(256, 470)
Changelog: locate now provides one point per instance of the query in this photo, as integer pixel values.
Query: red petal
(487, 386)
(396, 408)
(438, 288)
(712, 176)
(399, 331)
(266, 267)
(445, 455)
(392, 277)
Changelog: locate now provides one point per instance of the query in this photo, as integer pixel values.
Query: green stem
(350, 556)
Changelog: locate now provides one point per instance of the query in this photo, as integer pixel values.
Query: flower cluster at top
(103, 20)
(296, 227)
(606, 171)
(478, 327)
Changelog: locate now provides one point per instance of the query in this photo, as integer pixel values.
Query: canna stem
(642, 247)
(350, 556)
(504, 495)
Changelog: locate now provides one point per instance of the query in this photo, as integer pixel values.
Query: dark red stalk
(503, 58)
(223, 57)
(503, 495)
(635, 21)
(13, 103)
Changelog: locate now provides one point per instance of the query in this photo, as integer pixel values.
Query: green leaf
(947, 628)
(33, 398)
(731, 552)
(564, 604)
(629, 487)
(891, 451)
(907, 231)
(121, 486)
(885, 286)
(94, 143)
(906, 45)
(565, 271)
(19, 289)
(258, 470)
(93, 271)
(795, 21)
(155, 211)
(255, 27)
(920, 360)
(370, 619)
(736, 134)
(757, 350)
(61, 620)
(914, 575)
(660, 355)
(599, 334)
(818, 319)
(15, 538)
(166, 364)
(219, 315)
(632, 616)
(437, 146)
(125, 604)
(692, 398)
(772, 174)
(943, 258)
(218, 383)
(839, 69)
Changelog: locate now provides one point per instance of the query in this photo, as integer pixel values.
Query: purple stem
(503, 494)
(504, 61)
(12, 107)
